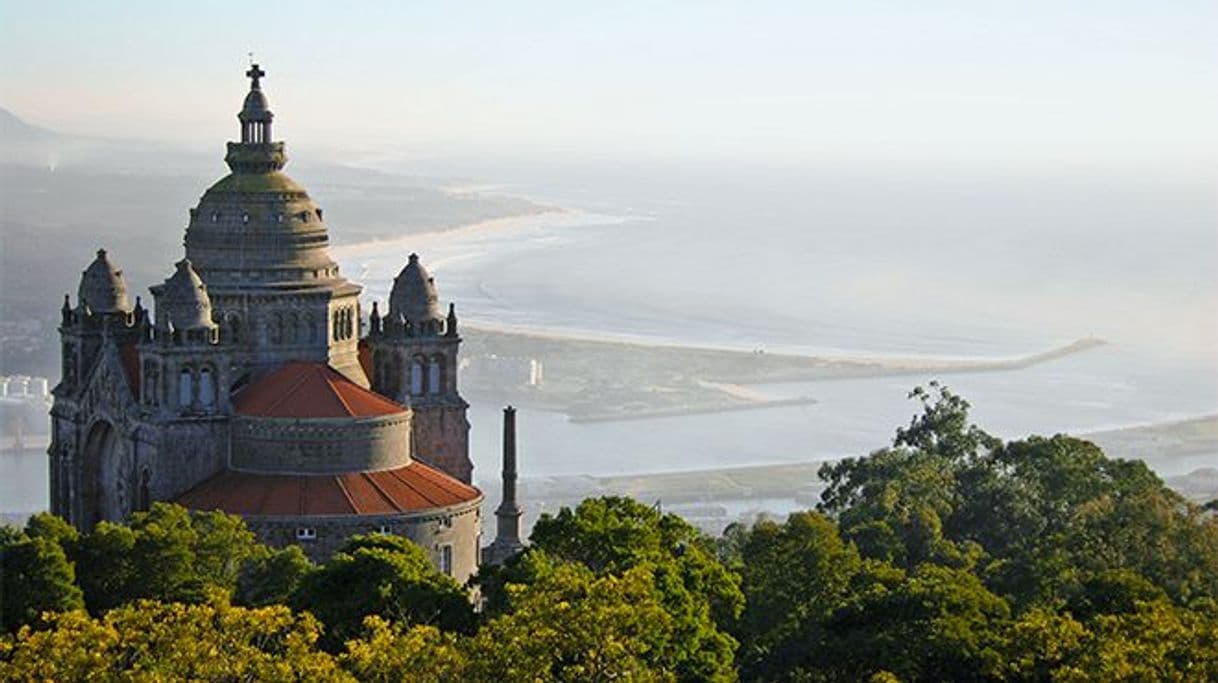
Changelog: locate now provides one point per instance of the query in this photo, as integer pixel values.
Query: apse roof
(301, 389)
(412, 488)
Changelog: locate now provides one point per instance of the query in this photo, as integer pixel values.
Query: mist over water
(846, 263)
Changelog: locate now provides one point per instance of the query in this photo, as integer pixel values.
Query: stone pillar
(507, 537)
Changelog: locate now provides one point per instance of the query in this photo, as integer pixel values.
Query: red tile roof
(412, 488)
(309, 390)
(129, 356)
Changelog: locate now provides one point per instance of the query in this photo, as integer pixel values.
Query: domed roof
(102, 287)
(183, 300)
(257, 219)
(255, 105)
(414, 294)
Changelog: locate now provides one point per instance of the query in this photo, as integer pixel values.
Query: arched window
(416, 377)
(207, 389)
(186, 389)
(435, 373)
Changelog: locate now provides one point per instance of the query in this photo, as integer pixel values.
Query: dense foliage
(947, 556)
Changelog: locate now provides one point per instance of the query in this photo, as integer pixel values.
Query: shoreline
(548, 216)
(489, 226)
(893, 362)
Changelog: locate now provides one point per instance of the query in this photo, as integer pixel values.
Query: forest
(948, 556)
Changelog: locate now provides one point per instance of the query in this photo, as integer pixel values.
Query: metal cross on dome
(254, 74)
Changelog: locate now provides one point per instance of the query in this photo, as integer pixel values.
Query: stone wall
(458, 527)
(440, 437)
(263, 444)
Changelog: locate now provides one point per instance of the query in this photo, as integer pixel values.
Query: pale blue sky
(1040, 82)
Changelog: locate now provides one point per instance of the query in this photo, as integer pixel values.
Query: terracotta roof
(412, 488)
(129, 356)
(310, 390)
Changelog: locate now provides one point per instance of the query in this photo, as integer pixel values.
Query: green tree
(105, 566)
(894, 503)
(1035, 516)
(272, 577)
(169, 554)
(570, 625)
(54, 529)
(35, 577)
(937, 624)
(1051, 512)
(796, 574)
(223, 544)
(385, 576)
(612, 535)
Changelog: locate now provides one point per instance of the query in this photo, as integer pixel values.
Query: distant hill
(24, 143)
(14, 130)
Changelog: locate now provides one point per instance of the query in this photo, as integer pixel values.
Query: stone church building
(249, 389)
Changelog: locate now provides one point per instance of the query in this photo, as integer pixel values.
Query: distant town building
(23, 409)
(249, 388)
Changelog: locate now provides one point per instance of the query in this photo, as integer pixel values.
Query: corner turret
(102, 287)
(414, 297)
(183, 307)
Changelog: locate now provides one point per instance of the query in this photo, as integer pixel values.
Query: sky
(1025, 82)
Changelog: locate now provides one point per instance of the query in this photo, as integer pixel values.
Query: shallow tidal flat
(600, 380)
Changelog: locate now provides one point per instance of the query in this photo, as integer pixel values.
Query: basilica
(257, 386)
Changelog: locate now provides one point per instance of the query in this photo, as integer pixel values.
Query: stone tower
(414, 359)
